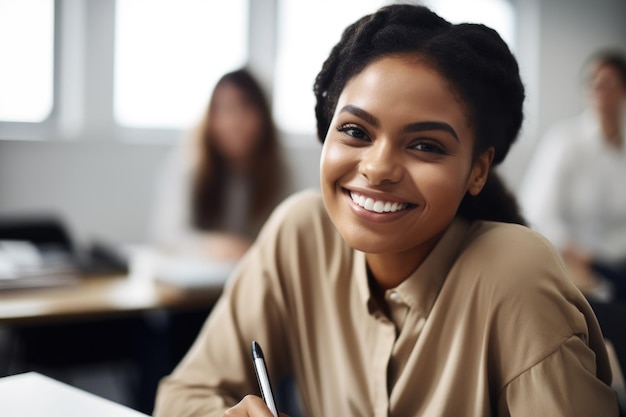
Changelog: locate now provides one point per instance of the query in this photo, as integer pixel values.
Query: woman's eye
(353, 131)
(429, 147)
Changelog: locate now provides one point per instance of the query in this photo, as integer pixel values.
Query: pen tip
(256, 350)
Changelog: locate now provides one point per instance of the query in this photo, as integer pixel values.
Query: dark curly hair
(471, 57)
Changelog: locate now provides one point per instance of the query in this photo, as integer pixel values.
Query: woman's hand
(578, 262)
(225, 246)
(574, 254)
(250, 406)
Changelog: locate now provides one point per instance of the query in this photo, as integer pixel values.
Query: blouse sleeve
(545, 339)
(217, 372)
(562, 384)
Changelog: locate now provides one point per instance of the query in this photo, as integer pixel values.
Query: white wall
(103, 187)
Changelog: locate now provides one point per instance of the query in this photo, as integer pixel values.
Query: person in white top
(574, 192)
(219, 186)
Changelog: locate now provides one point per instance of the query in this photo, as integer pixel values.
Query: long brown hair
(212, 169)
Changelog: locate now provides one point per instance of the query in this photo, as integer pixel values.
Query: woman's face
(236, 123)
(397, 159)
(606, 90)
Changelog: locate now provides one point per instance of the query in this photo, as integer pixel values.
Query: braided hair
(471, 57)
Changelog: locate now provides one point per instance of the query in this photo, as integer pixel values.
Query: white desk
(35, 395)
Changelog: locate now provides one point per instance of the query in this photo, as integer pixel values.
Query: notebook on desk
(194, 274)
(33, 395)
(23, 266)
(188, 273)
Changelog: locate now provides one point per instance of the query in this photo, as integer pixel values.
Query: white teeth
(377, 206)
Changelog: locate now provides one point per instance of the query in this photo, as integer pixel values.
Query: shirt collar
(419, 291)
(421, 288)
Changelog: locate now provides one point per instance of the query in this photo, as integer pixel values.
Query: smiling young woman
(406, 288)
(399, 136)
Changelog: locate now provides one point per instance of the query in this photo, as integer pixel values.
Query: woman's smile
(375, 207)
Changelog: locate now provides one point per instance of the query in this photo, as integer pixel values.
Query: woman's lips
(376, 205)
(376, 209)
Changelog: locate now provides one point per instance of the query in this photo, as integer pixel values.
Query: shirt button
(393, 296)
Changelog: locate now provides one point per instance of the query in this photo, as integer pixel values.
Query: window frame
(82, 103)
(82, 108)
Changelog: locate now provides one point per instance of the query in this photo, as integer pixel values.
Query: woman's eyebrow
(413, 127)
(359, 112)
(423, 126)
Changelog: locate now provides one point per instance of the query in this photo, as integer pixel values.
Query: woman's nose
(380, 164)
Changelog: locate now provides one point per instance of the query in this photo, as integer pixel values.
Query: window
(27, 51)
(497, 14)
(308, 30)
(170, 53)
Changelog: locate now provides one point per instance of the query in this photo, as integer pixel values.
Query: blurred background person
(574, 193)
(221, 184)
(213, 195)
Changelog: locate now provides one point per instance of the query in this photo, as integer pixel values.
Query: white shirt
(575, 191)
(171, 224)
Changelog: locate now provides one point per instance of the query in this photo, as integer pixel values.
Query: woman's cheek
(336, 160)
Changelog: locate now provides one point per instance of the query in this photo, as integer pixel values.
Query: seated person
(574, 193)
(214, 195)
(220, 186)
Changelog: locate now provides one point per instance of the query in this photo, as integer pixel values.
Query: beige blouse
(488, 325)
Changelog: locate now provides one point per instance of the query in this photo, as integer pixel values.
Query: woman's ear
(480, 171)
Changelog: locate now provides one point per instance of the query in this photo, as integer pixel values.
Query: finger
(250, 406)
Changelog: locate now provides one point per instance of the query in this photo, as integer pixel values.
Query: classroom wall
(104, 187)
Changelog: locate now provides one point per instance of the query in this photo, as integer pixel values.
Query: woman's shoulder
(509, 240)
(524, 289)
(484, 233)
(304, 197)
(521, 270)
(300, 206)
(300, 240)
(301, 214)
(515, 259)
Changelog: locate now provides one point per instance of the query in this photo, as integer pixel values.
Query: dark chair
(49, 233)
(42, 231)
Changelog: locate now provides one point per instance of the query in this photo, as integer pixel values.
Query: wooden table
(98, 297)
(98, 316)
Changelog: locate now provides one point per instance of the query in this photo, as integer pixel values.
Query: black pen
(263, 378)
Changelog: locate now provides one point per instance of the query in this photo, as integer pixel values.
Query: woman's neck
(389, 270)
